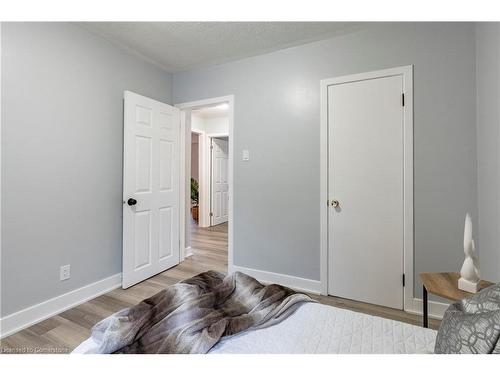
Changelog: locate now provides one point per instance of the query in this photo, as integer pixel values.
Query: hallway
(209, 246)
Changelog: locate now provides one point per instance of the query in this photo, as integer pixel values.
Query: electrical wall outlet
(65, 272)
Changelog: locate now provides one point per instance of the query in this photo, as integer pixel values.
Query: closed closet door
(365, 183)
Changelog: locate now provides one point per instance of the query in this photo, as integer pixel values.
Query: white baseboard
(31, 315)
(297, 283)
(188, 252)
(436, 309)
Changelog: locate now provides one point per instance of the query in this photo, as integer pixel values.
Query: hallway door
(219, 185)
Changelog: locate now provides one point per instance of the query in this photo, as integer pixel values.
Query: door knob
(335, 203)
(131, 202)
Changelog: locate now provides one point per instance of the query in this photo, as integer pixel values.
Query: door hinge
(211, 214)
(403, 99)
(404, 280)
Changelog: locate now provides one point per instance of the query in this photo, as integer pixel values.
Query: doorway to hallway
(207, 125)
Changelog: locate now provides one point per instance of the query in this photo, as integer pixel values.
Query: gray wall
(488, 147)
(62, 90)
(276, 194)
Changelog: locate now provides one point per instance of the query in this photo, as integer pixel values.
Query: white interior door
(365, 156)
(220, 185)
(150, 188)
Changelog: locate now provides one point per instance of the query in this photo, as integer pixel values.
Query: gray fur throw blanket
(193, 315)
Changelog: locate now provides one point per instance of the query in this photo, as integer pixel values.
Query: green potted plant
(195, 194)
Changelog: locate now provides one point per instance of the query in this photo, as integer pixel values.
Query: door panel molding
(151, 179)
(406, 72)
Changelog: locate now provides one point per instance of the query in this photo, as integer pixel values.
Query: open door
(220, 185)
(150, 188)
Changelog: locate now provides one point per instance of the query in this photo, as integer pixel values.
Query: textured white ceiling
(179, 46)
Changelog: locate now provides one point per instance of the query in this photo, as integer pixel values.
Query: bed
(322, 329)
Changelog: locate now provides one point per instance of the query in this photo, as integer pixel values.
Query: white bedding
(316, 328)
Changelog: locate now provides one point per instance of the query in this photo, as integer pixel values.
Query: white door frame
(186, 107)
(407, 75)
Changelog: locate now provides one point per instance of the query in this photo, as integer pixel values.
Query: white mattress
(316, 328)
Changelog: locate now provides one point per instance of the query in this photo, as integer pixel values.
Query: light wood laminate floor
(63, 332)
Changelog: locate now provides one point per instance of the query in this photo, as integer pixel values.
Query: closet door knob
(131, 202)
(335, 203)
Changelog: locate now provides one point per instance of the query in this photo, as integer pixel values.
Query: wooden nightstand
(444, 285)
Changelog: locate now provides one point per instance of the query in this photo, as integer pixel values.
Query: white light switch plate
(245, 156)
(65, 272)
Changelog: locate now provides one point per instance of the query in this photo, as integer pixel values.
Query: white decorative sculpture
(469, 280)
